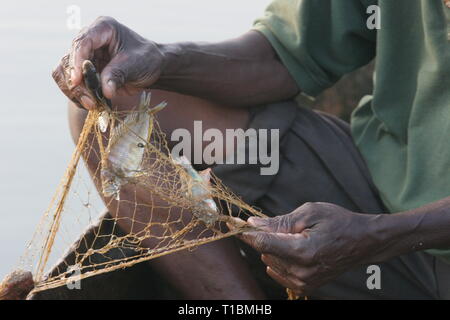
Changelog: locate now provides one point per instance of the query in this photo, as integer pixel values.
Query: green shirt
(403, 130)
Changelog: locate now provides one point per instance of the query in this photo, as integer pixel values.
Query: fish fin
(144, 103)
(149, 98)
(158, 108)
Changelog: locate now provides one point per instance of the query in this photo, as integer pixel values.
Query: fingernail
(256, 222)
(87, 102)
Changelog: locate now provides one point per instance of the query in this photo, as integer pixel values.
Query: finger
(280, 244)
(289, 223)
(87, 102)
(114, 76)
(278, 265)
(83, 47)
(235, 223)
(281, 224)
(288, 267)
(287, 281)
(78, 94)
(264, 224)
(59, 76)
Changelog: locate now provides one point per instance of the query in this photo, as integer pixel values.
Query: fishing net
(157, 204)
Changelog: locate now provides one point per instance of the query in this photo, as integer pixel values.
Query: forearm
(239, 72)
(424, 228)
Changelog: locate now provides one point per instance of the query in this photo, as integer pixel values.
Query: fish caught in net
(157, 204)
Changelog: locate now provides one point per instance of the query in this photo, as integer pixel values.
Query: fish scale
(126, 147)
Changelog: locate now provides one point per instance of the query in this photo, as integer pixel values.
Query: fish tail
(110, 184)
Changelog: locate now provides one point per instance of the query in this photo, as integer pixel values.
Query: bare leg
(213, 271)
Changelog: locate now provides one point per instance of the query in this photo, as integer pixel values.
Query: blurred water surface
(34, 139)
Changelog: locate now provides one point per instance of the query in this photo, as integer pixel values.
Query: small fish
(200, 190)
(16, 286)
(103, 121)
(93, 84)
(126, 147)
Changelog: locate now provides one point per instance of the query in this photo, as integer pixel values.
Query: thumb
(114, 76)
(295, 222)
(279, 224)
(264, 224)
(279, 244)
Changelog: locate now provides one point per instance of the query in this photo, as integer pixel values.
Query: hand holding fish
(128, 63)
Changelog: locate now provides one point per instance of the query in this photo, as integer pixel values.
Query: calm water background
(34, 139)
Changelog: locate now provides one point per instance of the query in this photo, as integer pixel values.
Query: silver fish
(207, 210)
(93, 84)
(126, 147)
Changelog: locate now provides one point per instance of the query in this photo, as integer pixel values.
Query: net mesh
(157, 204)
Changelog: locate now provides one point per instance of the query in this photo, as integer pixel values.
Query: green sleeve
(319, 41)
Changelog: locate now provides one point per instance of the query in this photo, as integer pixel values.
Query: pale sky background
(35, 145)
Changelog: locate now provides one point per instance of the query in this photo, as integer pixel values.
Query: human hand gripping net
(157, 204)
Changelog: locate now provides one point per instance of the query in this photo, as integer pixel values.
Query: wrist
(173, 55)
(388, 232)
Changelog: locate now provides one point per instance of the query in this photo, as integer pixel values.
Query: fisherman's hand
(128, 63)
(314, 244)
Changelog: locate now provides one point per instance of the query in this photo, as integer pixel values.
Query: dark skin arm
(241, 72)
(319, 241)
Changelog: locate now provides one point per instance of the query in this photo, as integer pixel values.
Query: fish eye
(140, 145)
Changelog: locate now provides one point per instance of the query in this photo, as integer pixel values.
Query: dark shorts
(320, 163)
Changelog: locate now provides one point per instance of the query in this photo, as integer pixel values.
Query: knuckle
(308, 211)
(104, 23)
(287, 223)
(261, 243)
(76, 93)
(59, 77)
(119, 75)
(106, 20)
(100, 25)
(56, 74)
(80, 36)
(81, 41)
(309, 206)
